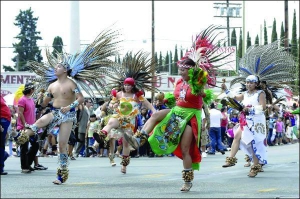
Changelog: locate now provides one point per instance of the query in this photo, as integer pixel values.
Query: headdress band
(129, 81)
(251, 78)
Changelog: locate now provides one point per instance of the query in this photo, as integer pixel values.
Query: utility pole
(244, 28)
(286, 23)
(153, 50)
(228, 10)
(228, 33)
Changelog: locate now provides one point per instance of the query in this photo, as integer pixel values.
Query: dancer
(178, 130)
(260, 63)
(64, 75)
(137, 70)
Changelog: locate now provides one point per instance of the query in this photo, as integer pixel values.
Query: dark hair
(212, 105)
(93, 115)
(258, 87)
(223, 108)
(86, 100)
(27, 88)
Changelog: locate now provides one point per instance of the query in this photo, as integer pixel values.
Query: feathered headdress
(204, 53)
(271, 63)
(86, 68)
(136, 66)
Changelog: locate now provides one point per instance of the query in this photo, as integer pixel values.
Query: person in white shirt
(215, 130)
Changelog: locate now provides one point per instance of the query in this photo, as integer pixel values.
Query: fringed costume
(273, 65)
(136, 70)
(189, 97)
(86, 68)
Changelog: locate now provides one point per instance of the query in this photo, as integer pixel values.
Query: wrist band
(74, 104)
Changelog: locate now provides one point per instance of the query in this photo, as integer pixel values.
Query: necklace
(250, 94)
(183, 92)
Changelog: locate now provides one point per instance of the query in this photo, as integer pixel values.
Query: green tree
(171, 62)
(240, 47)
(8, 68)
(282, 35)
(233, 37)
(265, 34)
(294, 46)
(160, 62)
(274, 36)
(256, 40)
(181, 52)
(248, 40)
(174, 65)
(57, 45)
(156, 62)
(26, 49)
(166, 64)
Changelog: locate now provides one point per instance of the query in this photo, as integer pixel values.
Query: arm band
(229, 94)
(49, 95)
(76, 90)
(74, 104)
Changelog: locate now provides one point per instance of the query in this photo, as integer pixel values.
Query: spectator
(215, 130)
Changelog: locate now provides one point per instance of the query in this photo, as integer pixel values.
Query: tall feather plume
(139, 67)
(86, 67)
(270, 63)
(203, 53)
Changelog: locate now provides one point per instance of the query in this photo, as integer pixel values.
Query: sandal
(230, 161)
(254, 170)
(58, 182)
(123, 169)
(186, 186)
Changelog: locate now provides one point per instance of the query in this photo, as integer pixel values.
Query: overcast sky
(175, 22)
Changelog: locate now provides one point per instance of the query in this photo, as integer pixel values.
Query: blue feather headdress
(86, 68)
(271, 63)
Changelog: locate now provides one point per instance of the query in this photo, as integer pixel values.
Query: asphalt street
(158, 177)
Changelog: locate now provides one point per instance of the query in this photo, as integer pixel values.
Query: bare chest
(62, 91)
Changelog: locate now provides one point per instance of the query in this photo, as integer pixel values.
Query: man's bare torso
(63, 94)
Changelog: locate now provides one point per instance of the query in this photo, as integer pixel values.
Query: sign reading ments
(11, 81)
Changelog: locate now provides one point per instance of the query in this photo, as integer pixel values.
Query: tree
(240, 47)
(248, 40)
(26, 49)
(294, 47)
(265, 34)
(174, 65)
(156, 62)
(171, 61)
(233, 38)
(282, 35)
(181, 52)
(274, 32)
(160, 62)
(57, 45)
(256, 40)
(166, 65)
(8, 68)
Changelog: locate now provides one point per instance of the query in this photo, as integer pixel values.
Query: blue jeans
(215, 139)
(5, 124)
(269, 137)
